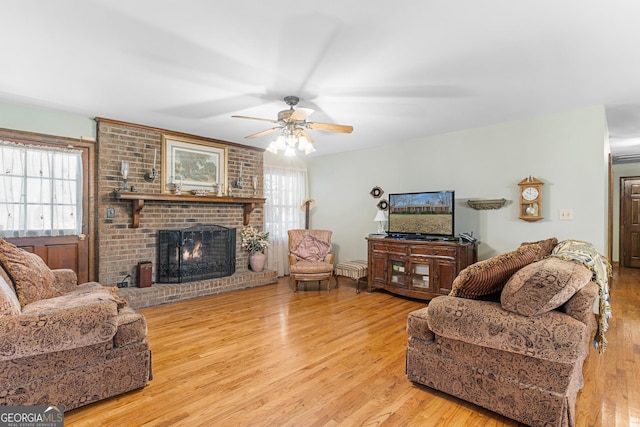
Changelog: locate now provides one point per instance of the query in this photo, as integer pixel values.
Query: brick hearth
(171, 292)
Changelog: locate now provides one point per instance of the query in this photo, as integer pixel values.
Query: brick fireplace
(121, 246)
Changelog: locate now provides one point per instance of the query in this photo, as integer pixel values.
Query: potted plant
(255, 242)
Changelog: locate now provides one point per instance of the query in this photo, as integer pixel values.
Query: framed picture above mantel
(193, 165)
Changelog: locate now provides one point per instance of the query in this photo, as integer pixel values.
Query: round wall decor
(376, 192)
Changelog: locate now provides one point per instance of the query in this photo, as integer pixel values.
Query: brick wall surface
(120, 246)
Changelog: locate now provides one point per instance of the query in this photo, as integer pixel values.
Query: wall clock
(530, 206)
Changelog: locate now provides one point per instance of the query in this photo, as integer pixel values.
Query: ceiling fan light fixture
(303, 143)
(281, 143)
(290, 152)
(273, 148)
(291, 124)
(291, 140)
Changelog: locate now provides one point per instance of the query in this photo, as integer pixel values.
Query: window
(40, 190)
(285, 189)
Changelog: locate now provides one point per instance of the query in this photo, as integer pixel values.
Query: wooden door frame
(610, 203)
(89, 184)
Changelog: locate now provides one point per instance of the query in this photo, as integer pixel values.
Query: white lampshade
(302, 143)
(380, 216)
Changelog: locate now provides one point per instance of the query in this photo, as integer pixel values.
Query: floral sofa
(513, 334)
(62, 343)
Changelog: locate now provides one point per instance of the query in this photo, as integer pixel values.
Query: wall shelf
(138, 199)
(486, 204)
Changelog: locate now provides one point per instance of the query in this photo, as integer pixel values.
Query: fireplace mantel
(138, 199)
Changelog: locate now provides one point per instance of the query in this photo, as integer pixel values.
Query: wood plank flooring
(270, 357)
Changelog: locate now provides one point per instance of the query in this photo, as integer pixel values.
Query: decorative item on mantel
(124, 171)
(255, 242)
(151, 175)
(238, 183)
(254, 184)
(486, 204)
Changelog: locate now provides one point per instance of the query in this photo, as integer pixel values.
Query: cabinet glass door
(420, 274)
(398, 272)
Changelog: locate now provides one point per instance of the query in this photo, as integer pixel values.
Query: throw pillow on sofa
(546, 246)
(543, 286)
(311, 249)
(31, 277)
(489, 276)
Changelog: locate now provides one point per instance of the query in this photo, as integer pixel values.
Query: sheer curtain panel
(285, 189)
(41, 190)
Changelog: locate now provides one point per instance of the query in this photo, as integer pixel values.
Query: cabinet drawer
(389, 248)
(433, 251)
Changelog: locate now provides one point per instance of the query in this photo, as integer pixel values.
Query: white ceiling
(393, 70)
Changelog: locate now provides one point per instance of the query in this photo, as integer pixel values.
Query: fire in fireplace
(196, 253)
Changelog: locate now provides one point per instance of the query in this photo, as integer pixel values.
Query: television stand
(413, 268)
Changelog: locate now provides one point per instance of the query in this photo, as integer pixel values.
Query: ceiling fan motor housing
(291, 100)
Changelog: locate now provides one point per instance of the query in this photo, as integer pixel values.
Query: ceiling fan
(293, 125)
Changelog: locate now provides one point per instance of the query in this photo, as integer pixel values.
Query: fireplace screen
(196, 253)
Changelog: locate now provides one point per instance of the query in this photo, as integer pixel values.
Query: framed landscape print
(190, 164)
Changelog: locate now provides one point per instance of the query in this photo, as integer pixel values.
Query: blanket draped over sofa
(586, 253)
(514, 332)
(62, 343)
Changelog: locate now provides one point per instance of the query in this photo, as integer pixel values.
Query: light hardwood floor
(270, 357)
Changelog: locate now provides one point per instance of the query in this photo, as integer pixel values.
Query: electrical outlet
(566, 214)
(111, 213)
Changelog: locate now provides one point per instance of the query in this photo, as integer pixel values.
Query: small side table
(355, 270)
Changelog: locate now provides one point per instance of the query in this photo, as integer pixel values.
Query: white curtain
(285, 189)
(40, 190)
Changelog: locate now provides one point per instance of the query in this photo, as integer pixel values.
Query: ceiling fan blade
(264, 132)
(330, 127)
(301, 113)
(255, 118)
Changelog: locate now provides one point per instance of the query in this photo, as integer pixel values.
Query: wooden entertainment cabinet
(417, 268)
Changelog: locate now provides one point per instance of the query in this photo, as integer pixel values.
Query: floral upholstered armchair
(64, 343)
(310, 257)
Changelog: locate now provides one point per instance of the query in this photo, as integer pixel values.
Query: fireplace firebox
(196, 253)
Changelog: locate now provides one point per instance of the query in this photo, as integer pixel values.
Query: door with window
(44, 202)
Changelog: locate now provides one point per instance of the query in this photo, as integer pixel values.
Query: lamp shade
(380, 216)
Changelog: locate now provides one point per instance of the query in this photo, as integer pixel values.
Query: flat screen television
(425, 215)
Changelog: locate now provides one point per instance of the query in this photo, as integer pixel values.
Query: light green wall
(619, 171)
(564, 150)
(46, 121)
